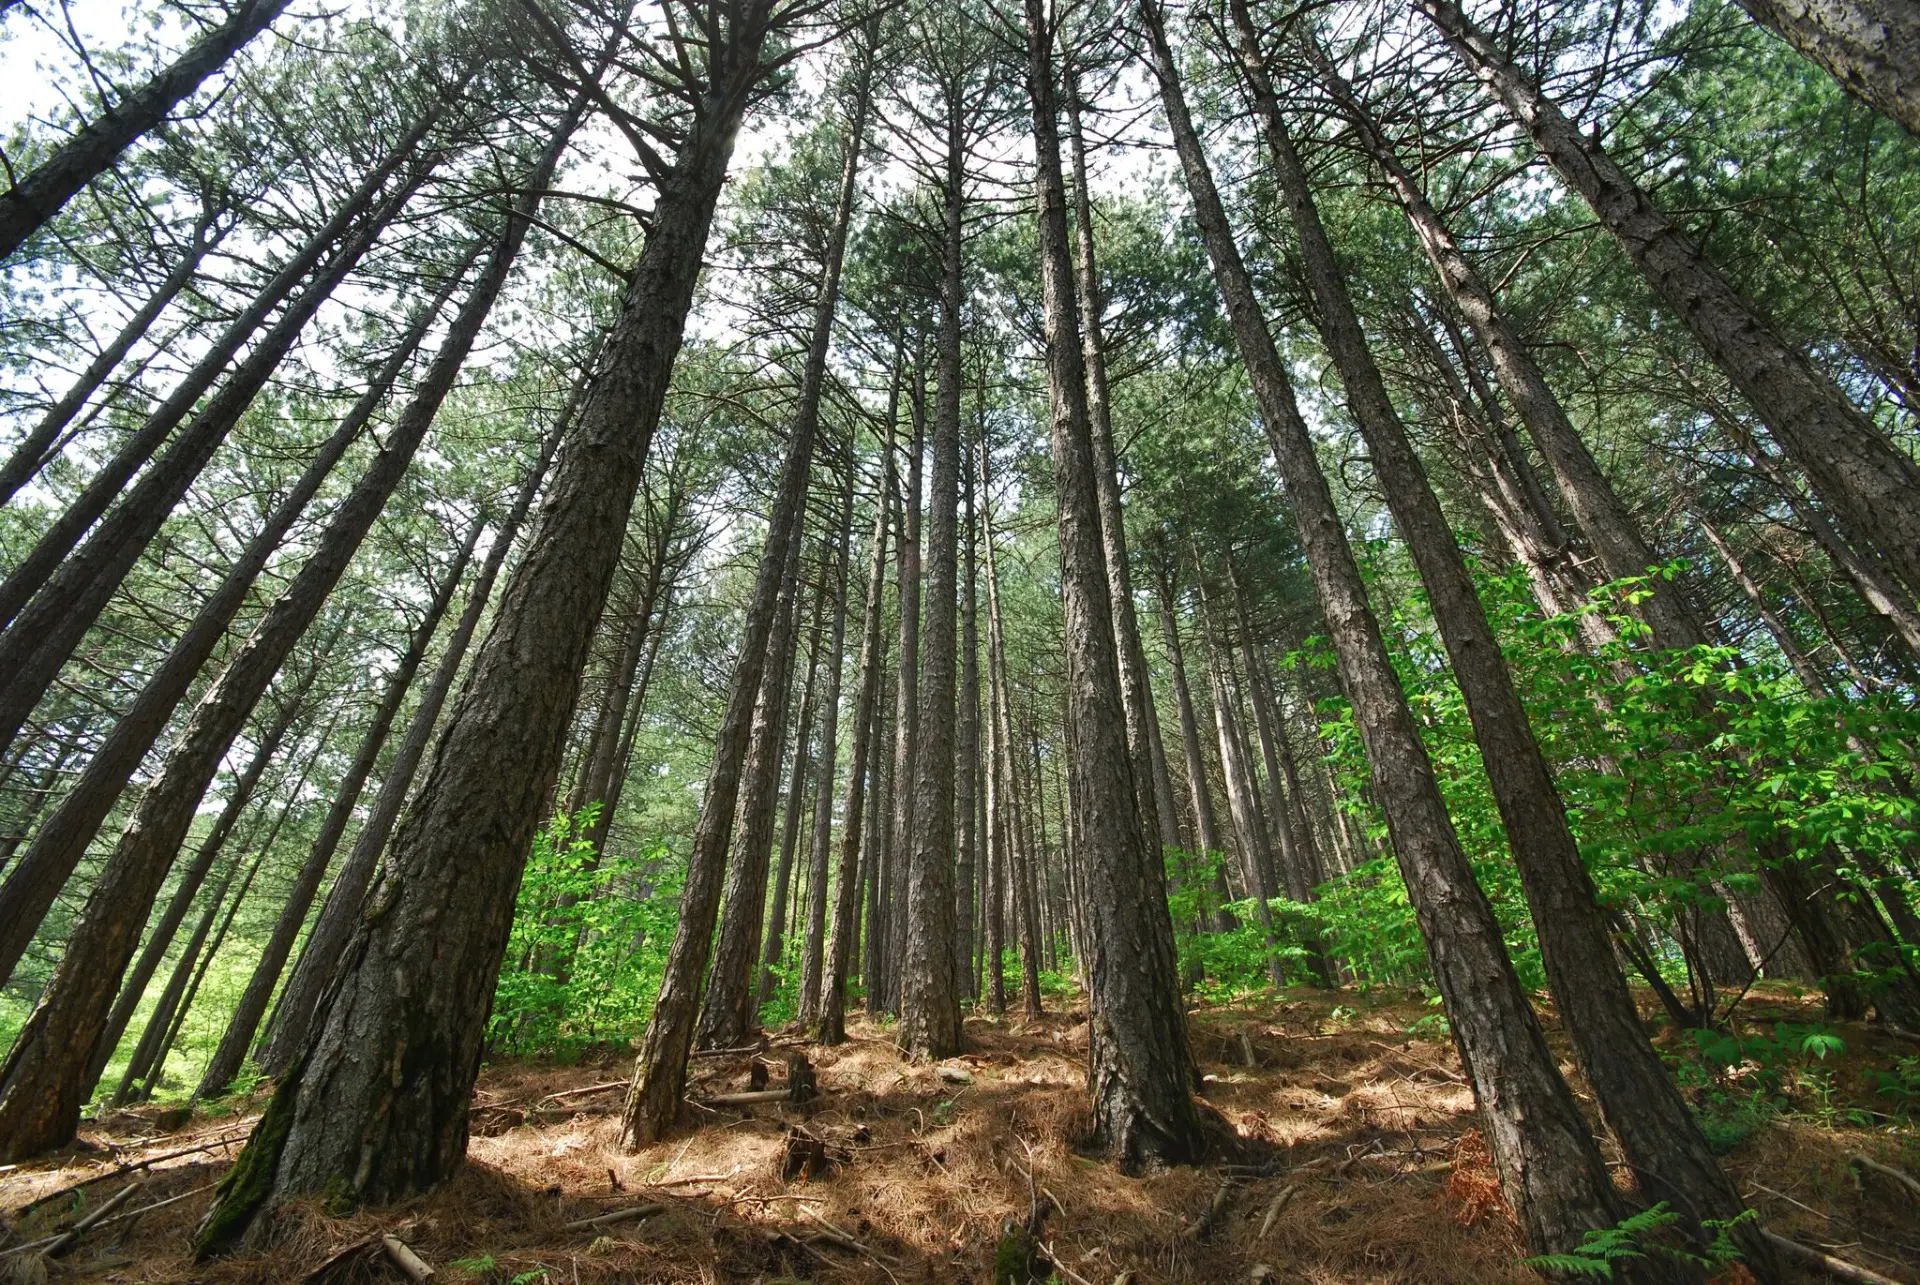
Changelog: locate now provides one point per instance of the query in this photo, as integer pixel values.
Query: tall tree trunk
(38, 195)
(300, 998)
(149, 1057)
(832, 1003)
(1249, 829)
(966, 786)
(1017, 852)
(1140, 1069)
(252, 1008)
(660, 1072)
(993, 892)
(375, 1106)
(1551, 1170)
(930, 968)
(774, 951)
(726, 1017)
(813, 950)
(883, 987)
(1157, 808)
(40, 444)
(1867, 481)
(1659, 1135)
(61, 843)
(1872, 47)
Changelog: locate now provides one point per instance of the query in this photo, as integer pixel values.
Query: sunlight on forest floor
(1367, 1126)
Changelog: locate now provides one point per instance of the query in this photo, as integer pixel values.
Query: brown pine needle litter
(1371, 1130)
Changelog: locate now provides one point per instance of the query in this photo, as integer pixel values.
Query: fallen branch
(581, 1093)
(339, 1255)
(1274, 1207)
(133, 1166)
(1838, 1268)
(699, 1177)
(1886, 1171)
(1201, 1226)
(746, 1099)
(410, 1263)
(616, 1217)
(60, 1244)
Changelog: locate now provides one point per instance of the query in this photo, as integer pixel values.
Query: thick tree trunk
(376, 1104)
(1140, 1069)
(820, 846)
(231, 1052)
(38, 195)
(293, 1015)
(60, 844)
(1554, 1178)
(1872, 47)
(1867, 481)
(1661, 1139)
(929, 967)
(40, 444)
(660, 1072)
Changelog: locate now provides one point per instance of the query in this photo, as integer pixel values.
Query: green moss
(1016, 1260)
(245, 1189)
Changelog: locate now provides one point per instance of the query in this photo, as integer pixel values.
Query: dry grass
(1361, 1122)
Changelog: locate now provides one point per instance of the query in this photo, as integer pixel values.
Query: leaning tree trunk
(1661, 1139)
(252, 1008)
(293, 1015)
(1140, 1069)
(40, 444)
(1205, 818)
(660, 1072)
(46, 629)
(930, 973)
(1603, 518)
(1550, 1168)
(45, 1079)
(62, 842)
(1872, 47)
(38, 195)
(774, 950)
(1865, 479)
(375, 1106)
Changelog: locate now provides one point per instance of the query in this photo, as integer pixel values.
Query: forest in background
(539, 526)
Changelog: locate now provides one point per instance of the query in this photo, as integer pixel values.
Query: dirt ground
(1357, 1163)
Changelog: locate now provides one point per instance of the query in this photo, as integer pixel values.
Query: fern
(1600, 1249)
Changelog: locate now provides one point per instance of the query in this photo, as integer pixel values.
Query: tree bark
(929, 966)
(375, 1106)
(252, 1008)
(1016, 856)
(1872, 47)
(1867, 481)
(1552, 1173)
(293, 1015)
(773, 953)
(1140, 1069)
(883, 986)
(38, 195)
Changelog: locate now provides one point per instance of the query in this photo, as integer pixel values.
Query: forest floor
(1358, 1162)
